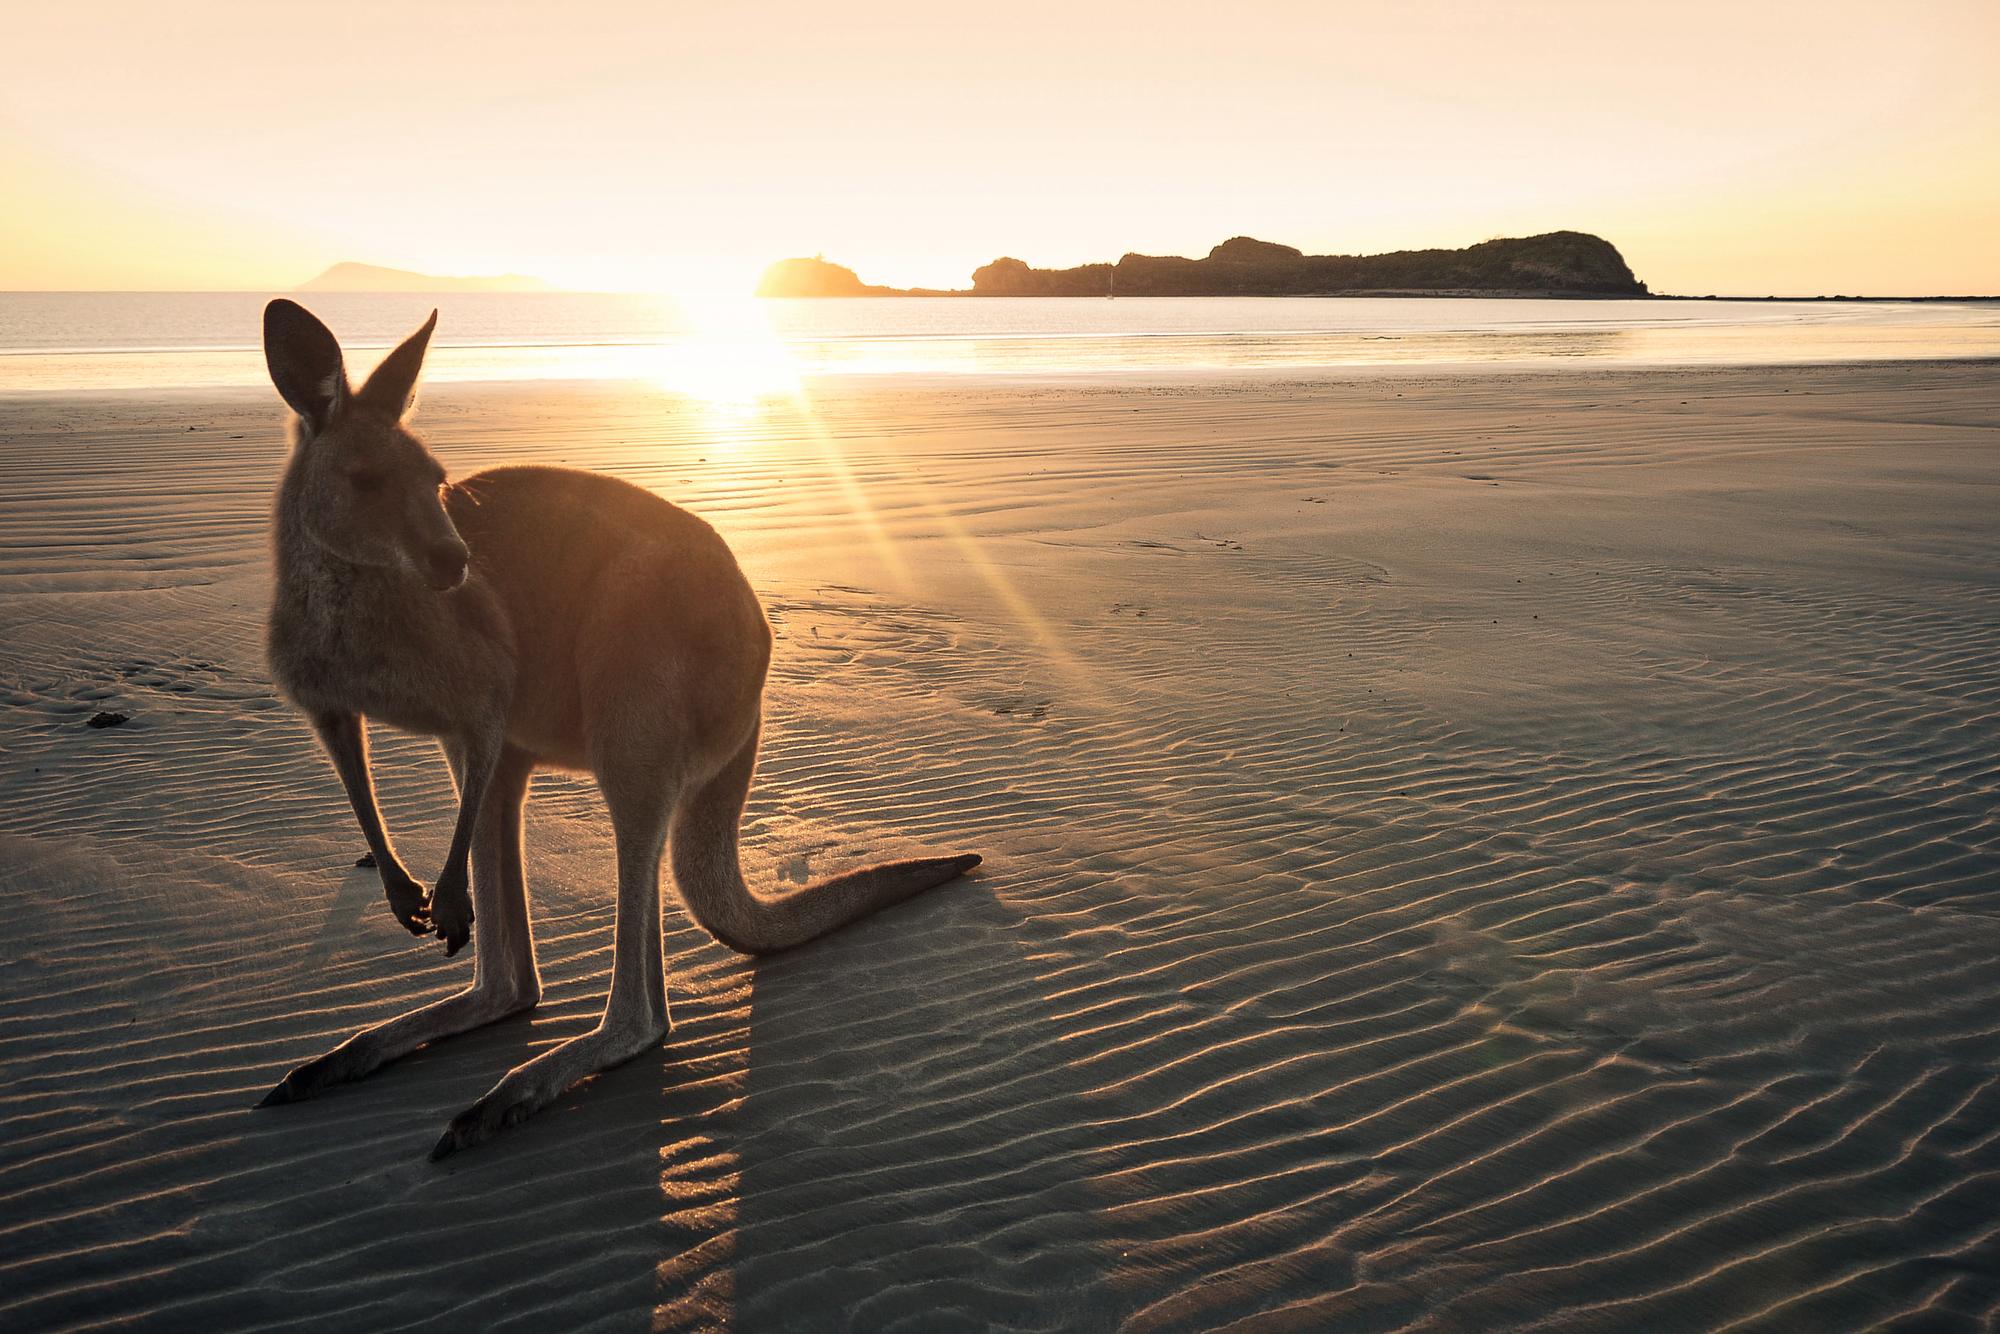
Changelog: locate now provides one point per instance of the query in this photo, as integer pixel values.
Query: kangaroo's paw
(342, 1065)
(372, 1048)
(451, 910)
(409, 900)
(485, 1119)
(529, 1088)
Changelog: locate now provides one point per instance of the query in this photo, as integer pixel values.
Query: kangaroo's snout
(445, 564)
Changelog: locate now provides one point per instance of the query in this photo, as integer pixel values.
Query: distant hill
(352, 277)
(1553, 264)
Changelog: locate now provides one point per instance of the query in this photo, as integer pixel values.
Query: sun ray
(741, 371)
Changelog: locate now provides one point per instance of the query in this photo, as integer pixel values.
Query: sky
(1743, 148)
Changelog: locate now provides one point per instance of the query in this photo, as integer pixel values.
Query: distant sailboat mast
(1111, 292)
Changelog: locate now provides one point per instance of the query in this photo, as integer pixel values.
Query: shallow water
(70, 341)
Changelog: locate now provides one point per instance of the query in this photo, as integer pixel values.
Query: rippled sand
(1461, 853)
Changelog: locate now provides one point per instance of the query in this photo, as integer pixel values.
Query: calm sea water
(71, 341)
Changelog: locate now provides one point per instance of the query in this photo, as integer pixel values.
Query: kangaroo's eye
(366, 481)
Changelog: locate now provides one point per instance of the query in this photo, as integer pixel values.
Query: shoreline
(1251, 377)
(1440, 293)
(756, 349)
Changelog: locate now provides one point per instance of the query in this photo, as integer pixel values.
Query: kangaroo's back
(603, 584)
(559, 527)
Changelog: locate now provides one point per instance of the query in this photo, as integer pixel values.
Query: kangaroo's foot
(408, 899)
(372, 1048)
(530, 1087)
(451, 908)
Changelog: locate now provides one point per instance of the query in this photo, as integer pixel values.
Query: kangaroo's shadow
(869, 1130)
(899, 1137)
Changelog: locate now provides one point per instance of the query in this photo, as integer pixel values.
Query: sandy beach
(1463, 851)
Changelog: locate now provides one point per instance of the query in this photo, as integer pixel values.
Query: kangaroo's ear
(393, 385)
(305, 363)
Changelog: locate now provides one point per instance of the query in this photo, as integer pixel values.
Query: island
(816, 277)
(819, 277)
(1552, 264)
(352, 277)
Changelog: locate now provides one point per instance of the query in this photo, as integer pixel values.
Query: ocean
(69, 342)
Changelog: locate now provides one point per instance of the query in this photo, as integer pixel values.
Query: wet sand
(1462, 851)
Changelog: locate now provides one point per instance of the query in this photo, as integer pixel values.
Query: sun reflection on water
(731, 361)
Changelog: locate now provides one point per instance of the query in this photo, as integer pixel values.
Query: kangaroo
(526, 617)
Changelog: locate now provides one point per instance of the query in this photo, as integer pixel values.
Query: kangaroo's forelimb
(472, 759)
(345, 737)
(505, 979)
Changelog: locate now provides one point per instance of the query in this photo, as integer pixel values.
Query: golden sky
(1744, 147)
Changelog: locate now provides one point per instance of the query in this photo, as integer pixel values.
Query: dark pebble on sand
(107, 720)
(365, 859)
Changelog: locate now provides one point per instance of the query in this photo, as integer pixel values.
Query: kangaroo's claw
(410, 901)
(315, 1076)
(479, 1123)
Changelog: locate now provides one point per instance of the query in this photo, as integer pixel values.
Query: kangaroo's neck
(308, 574)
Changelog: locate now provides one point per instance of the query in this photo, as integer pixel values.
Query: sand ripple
(1460, 855)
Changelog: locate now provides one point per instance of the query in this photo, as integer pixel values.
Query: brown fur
(526, 617)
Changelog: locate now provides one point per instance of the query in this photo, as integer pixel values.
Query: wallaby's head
(369, 490)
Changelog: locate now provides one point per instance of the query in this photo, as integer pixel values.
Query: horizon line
(944, 293)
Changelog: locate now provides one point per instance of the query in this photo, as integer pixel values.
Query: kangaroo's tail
(710, 879)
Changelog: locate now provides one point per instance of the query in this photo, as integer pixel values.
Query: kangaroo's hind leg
(504, 980)
(641, 797)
